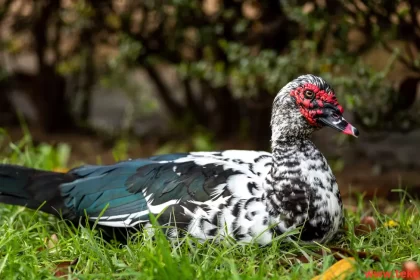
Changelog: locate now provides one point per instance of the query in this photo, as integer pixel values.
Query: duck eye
(309, 94)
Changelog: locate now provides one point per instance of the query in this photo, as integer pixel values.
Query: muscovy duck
(251, 196)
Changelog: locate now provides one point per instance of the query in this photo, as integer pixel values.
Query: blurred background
(98, 81)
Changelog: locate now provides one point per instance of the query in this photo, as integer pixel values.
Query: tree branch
(401, 58)
(40, 28)
(199, 110)
(164, 92)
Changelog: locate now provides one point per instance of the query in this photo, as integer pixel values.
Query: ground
(37, 246)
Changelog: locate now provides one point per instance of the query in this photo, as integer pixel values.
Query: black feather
(33, 188)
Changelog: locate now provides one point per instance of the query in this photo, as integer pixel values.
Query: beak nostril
(335, 115)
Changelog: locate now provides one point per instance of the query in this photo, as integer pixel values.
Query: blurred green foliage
(43, 156)
(231, 56)
(200, 140)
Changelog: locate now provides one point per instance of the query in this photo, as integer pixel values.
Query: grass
(25, 253)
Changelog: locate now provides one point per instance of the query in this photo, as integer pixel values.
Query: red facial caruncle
(311, 100)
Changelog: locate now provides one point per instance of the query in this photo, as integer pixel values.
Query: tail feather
(33, 188)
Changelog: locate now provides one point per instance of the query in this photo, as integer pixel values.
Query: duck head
(306, 104)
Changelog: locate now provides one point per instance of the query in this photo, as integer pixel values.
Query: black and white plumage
(248, 195)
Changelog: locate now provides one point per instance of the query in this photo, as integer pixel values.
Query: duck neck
(288, 154)
(287, 182)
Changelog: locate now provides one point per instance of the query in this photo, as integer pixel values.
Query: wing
(258, 162)
(131, 190)
(104, 187)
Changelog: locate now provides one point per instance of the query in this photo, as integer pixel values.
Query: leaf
(341, 253)
(61, 170)
(62, 268)
(50, 242)
(337, 252)
(410, 271)
(113, 21)
(367, 225)
(251, 10)
(340, 270)
(211, 7)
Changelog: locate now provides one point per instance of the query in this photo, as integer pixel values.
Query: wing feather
(132, 189)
